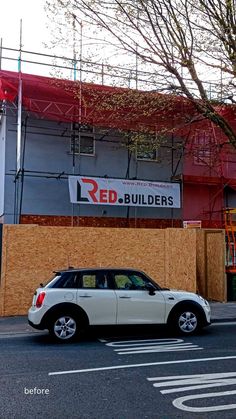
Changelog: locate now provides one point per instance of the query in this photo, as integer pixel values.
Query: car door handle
(124, 296)
(85, 296)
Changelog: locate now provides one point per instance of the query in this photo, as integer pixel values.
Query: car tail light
(40, 299)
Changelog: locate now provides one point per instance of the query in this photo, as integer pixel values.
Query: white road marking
(130, 347)
(169, 349)
(205, 380)
(123, 343)
(191, 378)
(197, 382)
(179, 403)
(148, 364)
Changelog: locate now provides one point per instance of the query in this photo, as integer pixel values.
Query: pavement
(220, 312)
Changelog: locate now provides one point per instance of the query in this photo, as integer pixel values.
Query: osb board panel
(211, 264)
(180, 254)
(201, 262)
(31, 253)
(215, 279)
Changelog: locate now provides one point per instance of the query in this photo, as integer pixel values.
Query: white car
(77, 298)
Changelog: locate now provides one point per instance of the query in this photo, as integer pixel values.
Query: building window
(205, 149)
(82, 140)
(146, 151)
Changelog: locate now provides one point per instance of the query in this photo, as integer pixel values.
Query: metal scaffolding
(76, 69)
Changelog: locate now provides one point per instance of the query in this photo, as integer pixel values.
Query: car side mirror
(151, 289)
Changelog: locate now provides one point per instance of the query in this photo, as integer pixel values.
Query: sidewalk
(220, 312)
(223, 312)
(15, 324)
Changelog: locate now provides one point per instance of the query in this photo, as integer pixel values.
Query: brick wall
(53, 220)
(66, 221)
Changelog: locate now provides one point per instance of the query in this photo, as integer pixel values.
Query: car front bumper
(207, 311)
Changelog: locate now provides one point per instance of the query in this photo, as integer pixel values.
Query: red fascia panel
(107, 106)
(208, 180)
(8, 90)
(100, 105)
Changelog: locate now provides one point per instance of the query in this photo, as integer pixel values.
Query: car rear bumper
(35, 317)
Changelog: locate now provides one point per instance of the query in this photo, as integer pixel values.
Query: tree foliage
(184, 42)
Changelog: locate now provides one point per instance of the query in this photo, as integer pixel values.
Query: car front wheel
(64, 327)
(187, 321)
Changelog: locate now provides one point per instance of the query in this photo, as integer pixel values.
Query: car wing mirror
(151, 289)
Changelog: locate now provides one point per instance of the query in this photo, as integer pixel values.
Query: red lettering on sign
(107, 195)
(103, 195)
(94, 190)
(112, 196)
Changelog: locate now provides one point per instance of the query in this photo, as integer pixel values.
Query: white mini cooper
(77, 298)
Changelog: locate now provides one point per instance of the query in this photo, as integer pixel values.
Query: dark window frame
(82, 133)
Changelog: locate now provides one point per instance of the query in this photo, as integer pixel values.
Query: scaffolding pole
(19, 124)
(0, 53)
(80, 103)
(19, 113)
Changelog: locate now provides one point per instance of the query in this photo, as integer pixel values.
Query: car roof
(72, 269)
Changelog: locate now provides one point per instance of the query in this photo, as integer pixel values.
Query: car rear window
(63, 280)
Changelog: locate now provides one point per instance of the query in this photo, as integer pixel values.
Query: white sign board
(139, 193)
(192, 224)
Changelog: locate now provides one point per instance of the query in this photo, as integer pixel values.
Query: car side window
(138, 281)
(70, 282)
(66, 280)
(122, 281)
(88, 281)
(102, 281)
(97, 280)
(130, 281)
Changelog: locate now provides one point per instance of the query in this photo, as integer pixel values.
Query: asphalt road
(147, 375)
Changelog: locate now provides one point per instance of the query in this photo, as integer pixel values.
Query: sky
(35, 35)
(33, 23)
(35, 38)
(34, 31)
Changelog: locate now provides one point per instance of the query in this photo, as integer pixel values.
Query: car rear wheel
(64, 327)
(187, 321)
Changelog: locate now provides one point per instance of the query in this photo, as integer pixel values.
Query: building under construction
(54, 128)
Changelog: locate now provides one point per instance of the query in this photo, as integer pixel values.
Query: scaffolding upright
(230, 229)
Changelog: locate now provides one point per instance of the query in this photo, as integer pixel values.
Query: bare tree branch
(180, 39)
